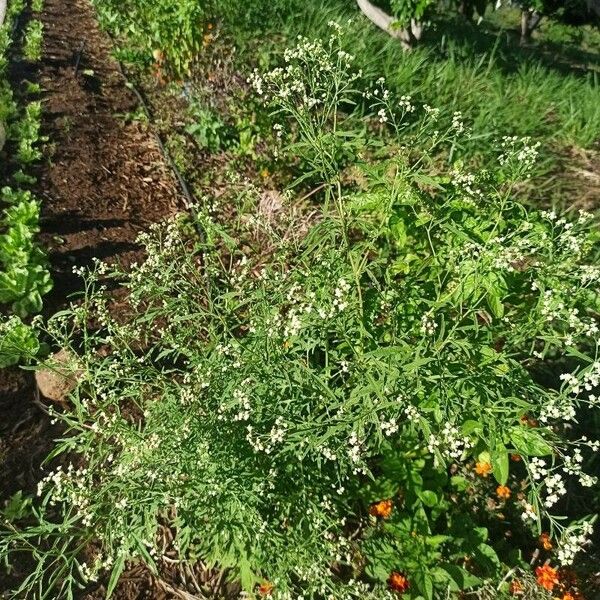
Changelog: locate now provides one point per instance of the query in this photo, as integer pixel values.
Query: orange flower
(382, 509)
(515, 588)
(503, 492)
(545, 542)
(483, 468)
(398, 582)
(568, 596)
(265, 588)
(547, 577)
(530, 421)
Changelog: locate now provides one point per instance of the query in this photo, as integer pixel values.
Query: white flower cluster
(555, 409)
(572, 464)
(551, 479)
(266, 444)
(450, 442)
(91, 572)
(302, 84)
(552, 306)
(412, 414)
(555, 489)
(389, 427)
(278, 431)
(573, 540)
(467, 184)
(528, 513)
(458, 123)
(519, 151)
(242, 401)
(431, 112)
(406, 104)
(428, 325)
(328, 453)
(340, 293)
(355, 449)
(71, 487)
(587, 380)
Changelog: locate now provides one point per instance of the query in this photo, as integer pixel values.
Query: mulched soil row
(102, 181)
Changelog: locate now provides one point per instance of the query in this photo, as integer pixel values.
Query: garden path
(101, 182)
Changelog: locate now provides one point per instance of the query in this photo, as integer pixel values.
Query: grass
(501, 88)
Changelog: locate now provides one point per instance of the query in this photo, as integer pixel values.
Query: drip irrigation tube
(190, 200)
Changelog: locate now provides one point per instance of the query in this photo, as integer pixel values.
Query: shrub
(172, 33)
(310, 421)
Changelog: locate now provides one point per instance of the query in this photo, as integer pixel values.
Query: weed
(329, 422)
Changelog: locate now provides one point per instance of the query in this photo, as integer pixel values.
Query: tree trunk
(466, 9)
(594, 6)
(386, 22)
(530, 19)
(2, 11)
(416, 29)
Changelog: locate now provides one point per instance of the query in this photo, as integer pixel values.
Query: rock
(57, 380)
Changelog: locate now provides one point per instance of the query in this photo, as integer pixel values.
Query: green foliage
(18, 343)
(173, 28)
(172, 32)
(26, 132)
(34, 37)
(485, 79)
(24, 276)
(407, 10)
(258, 405)
(571, 11)
(207, 128)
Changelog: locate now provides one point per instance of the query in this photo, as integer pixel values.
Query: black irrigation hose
(191, 201)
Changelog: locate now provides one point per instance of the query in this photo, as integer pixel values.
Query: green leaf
(488, 559)
(499, 458)
(428, 498)
(424, 583)
(529, 442)
(461, 578)
(116, 572)
(459, 482)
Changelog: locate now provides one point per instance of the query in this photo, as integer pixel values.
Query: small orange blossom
(503, 492)
(483, 468)
(265, 588)
(545, 542)
(382, 509)
(398, 582)
(547, 577)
